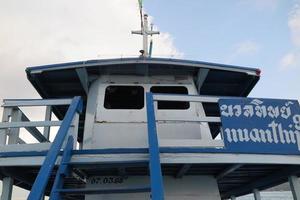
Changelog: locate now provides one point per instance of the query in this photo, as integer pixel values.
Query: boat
(149, 128)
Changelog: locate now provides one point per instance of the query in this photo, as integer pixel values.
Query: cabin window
(171, 105)
(124, 97)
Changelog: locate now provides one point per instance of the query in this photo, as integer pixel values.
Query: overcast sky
(252, 33)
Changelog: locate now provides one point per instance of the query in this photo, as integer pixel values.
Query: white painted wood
(7, 187)
(103, 125)
(14, 132)
(25, 147)
(46, 131)
(29, 124)
(35, 102)
(73, 131)
(3, 132)
(90, 113)
(23, 161)
(190, 143)
(166, 97)
(295, 187)
(203, 158)
(189, 119)
(256, 194)
(193, 158)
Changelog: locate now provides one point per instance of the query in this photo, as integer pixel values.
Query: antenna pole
(145, 32)
(145, 35)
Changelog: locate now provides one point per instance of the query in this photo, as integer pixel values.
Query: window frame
(172, 109)
(113, 85)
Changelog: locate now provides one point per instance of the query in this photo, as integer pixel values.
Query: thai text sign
(261, 125)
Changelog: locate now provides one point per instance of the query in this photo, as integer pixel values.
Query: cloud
(245, 48)
(291, 60)
(37, 32)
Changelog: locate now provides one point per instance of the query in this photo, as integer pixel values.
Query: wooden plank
(190, 98)
(29, 124)
(25, 147)
(35, 102)
(7, 186)
(188, 119)
(14, 132)
(5, 118)
(190, 143)
(48, 113)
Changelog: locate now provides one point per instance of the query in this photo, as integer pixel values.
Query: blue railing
(41, 181)
(156, 179)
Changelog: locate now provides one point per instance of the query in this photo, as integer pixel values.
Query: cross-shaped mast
(145, 32)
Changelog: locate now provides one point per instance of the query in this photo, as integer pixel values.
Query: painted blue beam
(157, 189)
(42, 178)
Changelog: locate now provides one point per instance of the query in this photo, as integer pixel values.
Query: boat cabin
(148, 128)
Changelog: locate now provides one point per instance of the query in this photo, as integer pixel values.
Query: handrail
(152, 120)
(35, 102)
(41, 180)
(157, 188)
(180, 97)
(190, 98)
(20, 120)
(27, 124)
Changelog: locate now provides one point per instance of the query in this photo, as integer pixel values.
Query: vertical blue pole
(157, 189)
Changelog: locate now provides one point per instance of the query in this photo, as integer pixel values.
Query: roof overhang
(72, 79)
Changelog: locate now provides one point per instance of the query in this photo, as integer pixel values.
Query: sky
(250, 33)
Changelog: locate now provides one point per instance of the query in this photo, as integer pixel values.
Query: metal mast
(145, 31)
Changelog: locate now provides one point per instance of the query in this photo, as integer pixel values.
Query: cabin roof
(102, 62)
(71, 79)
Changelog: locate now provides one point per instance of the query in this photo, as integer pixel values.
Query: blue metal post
(41, 180)
(157, 189)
